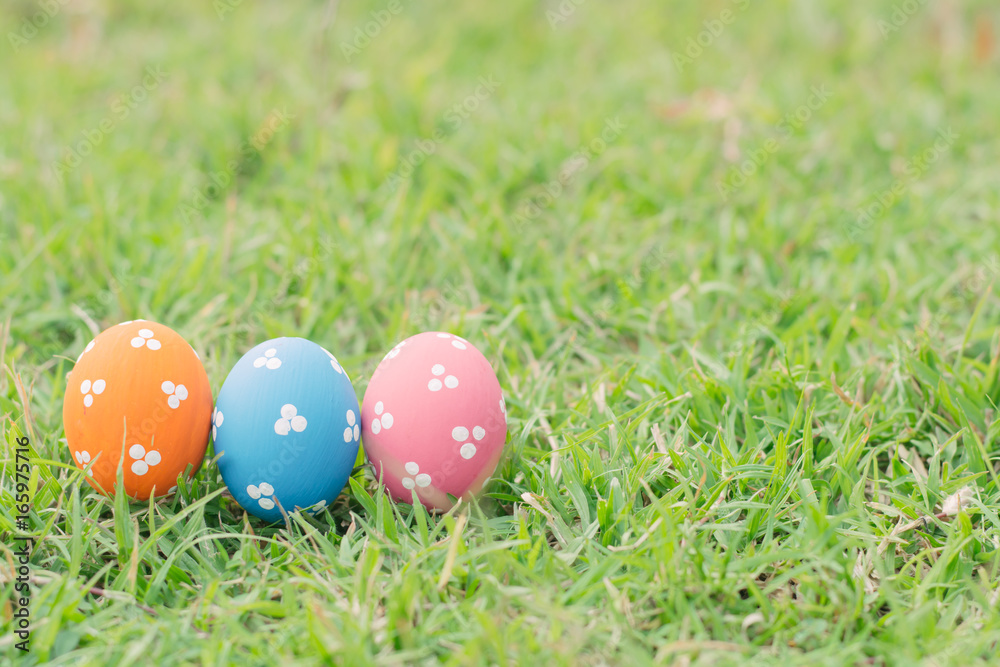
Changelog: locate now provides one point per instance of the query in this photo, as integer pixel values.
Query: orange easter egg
(138, 390)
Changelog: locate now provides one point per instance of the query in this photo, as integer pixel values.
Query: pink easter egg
(433, 420)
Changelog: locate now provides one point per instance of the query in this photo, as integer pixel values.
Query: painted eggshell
(433, 420)
(287, 426)
(138, 390)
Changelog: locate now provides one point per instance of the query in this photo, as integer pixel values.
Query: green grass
(736, 413)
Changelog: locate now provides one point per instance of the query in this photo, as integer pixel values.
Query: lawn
(735, 264)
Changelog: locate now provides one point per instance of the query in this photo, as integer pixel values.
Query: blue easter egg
(287, 426)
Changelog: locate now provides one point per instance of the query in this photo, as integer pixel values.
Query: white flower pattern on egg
(143, 460)
(456, 342)
(394, 352)
(145, 338)
(269, 360)
(263, 493)
(353, 430)
(290, 420)
(175, 393)
(436, 384)
(83, 458)
(90, 389)
(382, 420)
(217, 418)
(461, 434)
(333, 361)
(416, 478)
(90, 346)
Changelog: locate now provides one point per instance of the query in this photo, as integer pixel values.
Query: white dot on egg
(167, 387)
(408, 483)
(460, 433)
(412, 468)
(423, 479)
(387, 420)
(437, 369)
(434, 385)
(459, 344)
(479, 433)
(451, 382)
(468, 450)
